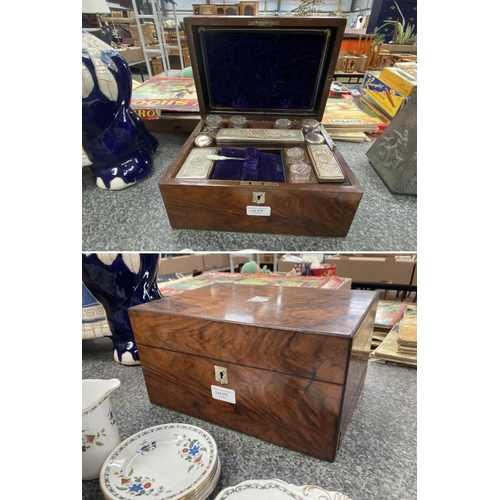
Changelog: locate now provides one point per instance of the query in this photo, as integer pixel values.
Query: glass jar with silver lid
(314, 138)
(300, 172)
(295, 155)
(214, 122)
(309, 125)
(203, 140)
(283, 123)
(238, 121)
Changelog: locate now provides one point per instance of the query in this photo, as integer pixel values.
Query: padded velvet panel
(265, 166)
(264, 70)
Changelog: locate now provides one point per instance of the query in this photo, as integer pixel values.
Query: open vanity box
(273, 73)
(280, 363)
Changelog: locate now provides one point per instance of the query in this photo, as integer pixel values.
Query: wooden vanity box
(264, 69)
(282, 364)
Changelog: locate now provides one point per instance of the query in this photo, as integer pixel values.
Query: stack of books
(407, 338)
(343, 119)
(400, 344)
(389, 313)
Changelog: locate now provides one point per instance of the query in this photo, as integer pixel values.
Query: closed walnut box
(282, 364)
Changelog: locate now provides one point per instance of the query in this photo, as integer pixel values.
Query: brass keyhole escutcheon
(221, 374)
(258, 198)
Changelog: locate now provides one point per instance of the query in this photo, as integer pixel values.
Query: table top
(135, 218)
(377, 458)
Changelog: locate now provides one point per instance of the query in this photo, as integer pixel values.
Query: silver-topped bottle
(300, 172)
(238, 121)
(283, 123)
(203, 140)
(214, 122)
(309, 125)
(314, 138)
(295, 155)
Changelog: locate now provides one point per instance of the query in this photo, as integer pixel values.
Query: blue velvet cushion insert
(265, 166)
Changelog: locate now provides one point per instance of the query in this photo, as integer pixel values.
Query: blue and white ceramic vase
(115, 142)
(119, 281)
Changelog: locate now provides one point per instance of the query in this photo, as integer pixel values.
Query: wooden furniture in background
(249, 8)
(386, 54)
(359, 44)
(227, 9)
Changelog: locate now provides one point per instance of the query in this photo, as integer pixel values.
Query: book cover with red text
(164, 94)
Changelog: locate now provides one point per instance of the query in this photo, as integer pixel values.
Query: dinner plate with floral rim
(276, 489)
(164, 462)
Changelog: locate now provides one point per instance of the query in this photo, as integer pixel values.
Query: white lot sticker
(263, 211)
(258, 298)
(227, 395)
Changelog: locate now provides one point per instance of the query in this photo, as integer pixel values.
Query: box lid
(307, 332)
(324, 312)
(253, 66)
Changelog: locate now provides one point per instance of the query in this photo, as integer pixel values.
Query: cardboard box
(156, 66)
(215, 261)
(266, 258)
(293, 365)
(132, 54)
(393, 269)
(184, 264)
(148, 32)
(384, 96)
(285, 267)
(399, 80)
(346, 285)
(171, 122)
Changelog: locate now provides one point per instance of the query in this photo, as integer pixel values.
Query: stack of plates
(275, 489)
(167, 462)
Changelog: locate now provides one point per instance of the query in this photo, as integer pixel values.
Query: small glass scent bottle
(238, 121)
(214, 121)
(309, 125)
(314, 138)
(203, 140)
(300, 172)
(295, 155)
(283, 123)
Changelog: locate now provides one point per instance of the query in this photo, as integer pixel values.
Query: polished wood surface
(286, 334)
(304, 209)
(311, 209)
(358, 364)
(300, 309)
(296, 358)
(294, 412)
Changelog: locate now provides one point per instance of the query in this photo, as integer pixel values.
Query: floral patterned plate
(275, 489)
(165, 462)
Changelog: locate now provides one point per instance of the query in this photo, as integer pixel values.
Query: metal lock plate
(258, 198)
(221, 374)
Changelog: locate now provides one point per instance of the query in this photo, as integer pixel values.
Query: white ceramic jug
(100, 434)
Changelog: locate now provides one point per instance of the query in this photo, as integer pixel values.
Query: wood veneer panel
(296, 358)
(306, 209)
(294, 412)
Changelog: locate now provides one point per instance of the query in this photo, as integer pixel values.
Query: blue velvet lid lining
(264, 70)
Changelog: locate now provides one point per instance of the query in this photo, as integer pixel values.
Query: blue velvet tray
(264, 166)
